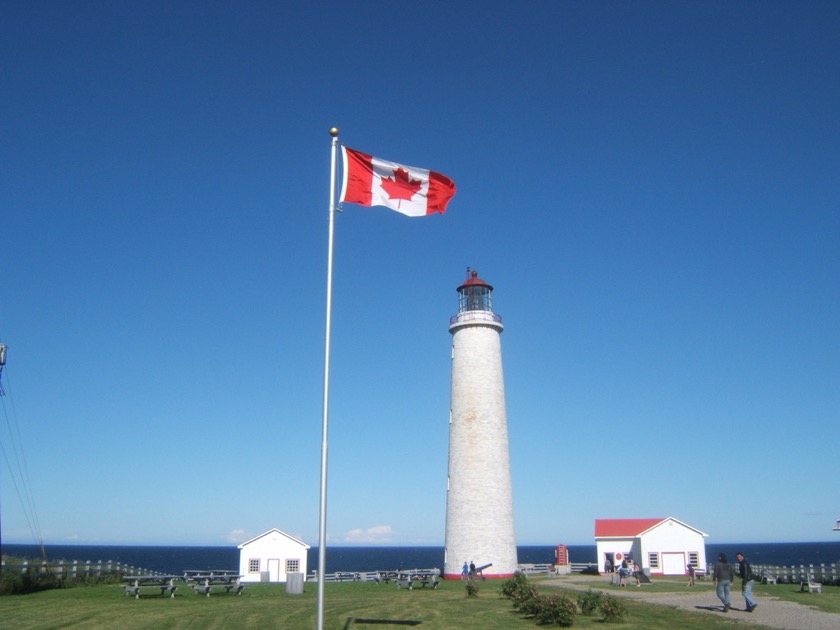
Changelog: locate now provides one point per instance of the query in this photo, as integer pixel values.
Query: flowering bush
(589, 601)
(613, 609)
(519, 590)
(555, 610)
(513, 585)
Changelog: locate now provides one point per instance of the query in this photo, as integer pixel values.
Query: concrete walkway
(770, 613)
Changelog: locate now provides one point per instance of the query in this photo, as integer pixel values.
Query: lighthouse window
(475, 299)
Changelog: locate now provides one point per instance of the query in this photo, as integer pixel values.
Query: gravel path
(770, 613)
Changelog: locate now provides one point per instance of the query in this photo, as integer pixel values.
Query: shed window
(254, 565)
(292, 566)
(653, 560)
(694, 558)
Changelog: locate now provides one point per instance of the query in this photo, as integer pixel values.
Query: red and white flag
(370, 181)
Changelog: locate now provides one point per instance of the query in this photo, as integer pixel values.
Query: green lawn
(268, 606)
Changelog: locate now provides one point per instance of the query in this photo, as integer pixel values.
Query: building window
(254, 565)
(694, 558)
(292, 566)
(653, 560)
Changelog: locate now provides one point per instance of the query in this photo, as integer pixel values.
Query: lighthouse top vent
(473, 281)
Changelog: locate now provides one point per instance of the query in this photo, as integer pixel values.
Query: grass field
(268, 606)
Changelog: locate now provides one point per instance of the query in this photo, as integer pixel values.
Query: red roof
(474, 281)
(623, 527)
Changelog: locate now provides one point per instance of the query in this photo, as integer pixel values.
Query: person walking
(724, 574)
(691, 574)
(747, 581)
(637, 573)
(623, 572)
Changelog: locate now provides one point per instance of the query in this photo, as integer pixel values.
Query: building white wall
(672, 537)
(672, 540)
(624, 546)
(479, 505)
(273, 549)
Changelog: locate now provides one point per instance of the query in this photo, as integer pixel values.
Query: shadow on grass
(382, 622)
(712, 608)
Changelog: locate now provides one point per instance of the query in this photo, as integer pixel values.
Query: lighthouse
(479, 498)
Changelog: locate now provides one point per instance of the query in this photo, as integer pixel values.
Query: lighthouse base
(484, 576)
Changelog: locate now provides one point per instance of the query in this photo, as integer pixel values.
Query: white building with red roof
(661, 546)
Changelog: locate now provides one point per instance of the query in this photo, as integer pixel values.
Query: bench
(769, 579)
(809, 586)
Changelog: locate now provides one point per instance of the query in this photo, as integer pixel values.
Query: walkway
(770, 613)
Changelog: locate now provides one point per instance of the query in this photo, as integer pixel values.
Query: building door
(673, 563)
(274, 569)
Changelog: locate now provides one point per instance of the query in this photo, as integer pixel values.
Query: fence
(75, 569)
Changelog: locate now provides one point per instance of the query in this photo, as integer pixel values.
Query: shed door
(274, 569)
(673, 563)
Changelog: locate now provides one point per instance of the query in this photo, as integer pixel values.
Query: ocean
(175, 560)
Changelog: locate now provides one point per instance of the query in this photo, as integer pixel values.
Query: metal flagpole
(322, 528)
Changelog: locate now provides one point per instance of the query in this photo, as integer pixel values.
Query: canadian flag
(371, 181)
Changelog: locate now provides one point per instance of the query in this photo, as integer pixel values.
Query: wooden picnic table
(166, 584)
(204, 582)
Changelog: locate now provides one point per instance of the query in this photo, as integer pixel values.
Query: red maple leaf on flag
(401, 186)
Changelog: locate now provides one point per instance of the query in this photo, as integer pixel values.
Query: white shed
(271, 556)
(661, 546)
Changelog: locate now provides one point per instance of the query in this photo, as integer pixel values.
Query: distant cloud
(377, 534)
(237, 536)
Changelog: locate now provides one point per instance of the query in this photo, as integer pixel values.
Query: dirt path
(770, 613)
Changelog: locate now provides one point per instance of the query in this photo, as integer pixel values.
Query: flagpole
(322, 528)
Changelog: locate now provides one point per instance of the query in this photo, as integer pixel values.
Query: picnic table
(410, 579)
(205, 582)
(165, 583)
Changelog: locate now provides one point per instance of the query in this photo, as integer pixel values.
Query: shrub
(15, 583)
(555, 610)
(472, 588)
(513, 585)
(589, 601)
(613, 609)
(520, 591)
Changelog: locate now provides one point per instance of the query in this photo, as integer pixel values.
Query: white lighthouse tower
(479, 499)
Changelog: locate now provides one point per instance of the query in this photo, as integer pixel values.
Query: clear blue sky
(651, 187)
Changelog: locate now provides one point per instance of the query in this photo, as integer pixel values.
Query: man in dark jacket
(724, 574)
(747, 581)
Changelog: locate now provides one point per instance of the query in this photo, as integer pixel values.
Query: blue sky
(652, 188)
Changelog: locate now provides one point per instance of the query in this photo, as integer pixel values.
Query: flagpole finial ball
(334, 131)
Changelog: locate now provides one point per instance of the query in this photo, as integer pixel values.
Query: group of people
(468, 571)
(725, 575)
(624, 571)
